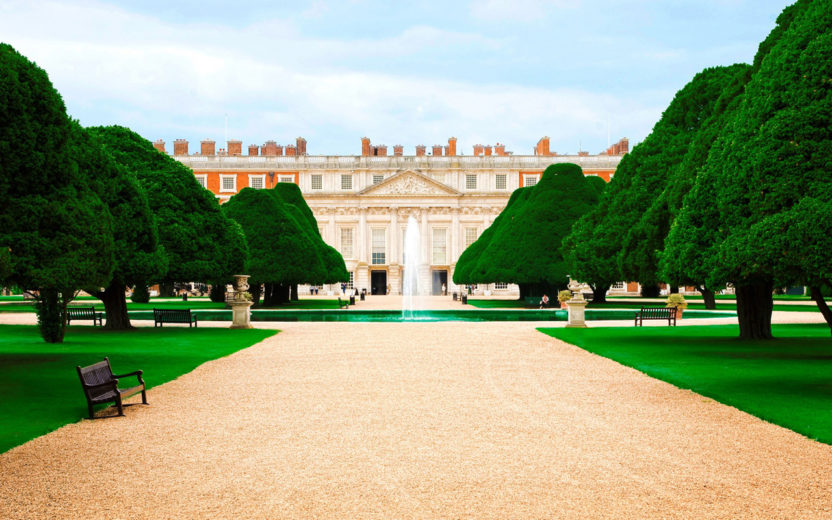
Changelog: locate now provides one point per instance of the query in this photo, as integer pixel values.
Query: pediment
(409, 182)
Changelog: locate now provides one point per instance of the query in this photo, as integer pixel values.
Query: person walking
(444, 290)
(544, 302)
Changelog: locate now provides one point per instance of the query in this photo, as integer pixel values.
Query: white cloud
(169, 81)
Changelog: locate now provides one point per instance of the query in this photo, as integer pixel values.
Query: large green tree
(138, 256)
(770, 169)
(54, 225)
(285, 246)
(202, 244)
(525, 247)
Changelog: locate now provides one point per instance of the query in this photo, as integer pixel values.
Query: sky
(583, 72)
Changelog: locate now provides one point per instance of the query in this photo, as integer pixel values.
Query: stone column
(363, 237)
(395, 241)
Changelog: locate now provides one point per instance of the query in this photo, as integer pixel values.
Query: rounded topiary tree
(55, 227)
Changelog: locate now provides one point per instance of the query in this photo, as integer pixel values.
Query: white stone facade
(362, 204)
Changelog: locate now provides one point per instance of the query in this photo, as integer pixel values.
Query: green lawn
(200, 304)
(39, 387)
(787, 381)
(633, 303)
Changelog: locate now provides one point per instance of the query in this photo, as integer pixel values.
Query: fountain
(412, 256)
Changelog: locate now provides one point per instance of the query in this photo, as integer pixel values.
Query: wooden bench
(161, 316)
(84, 313)
(656, 313)
(343, 303)
(101, 386)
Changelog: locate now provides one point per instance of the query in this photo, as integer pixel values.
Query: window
(470, 236)
(286, 178)
(258, 182)
(317, 182)
(501, 181)
(617, 285)
(529, 180)
(440, 246)
(379, 249)
(346, 242)
(228, 183)
(346, 182)
(470, 182)
(500, 286)
(202, 180)
(377, 178)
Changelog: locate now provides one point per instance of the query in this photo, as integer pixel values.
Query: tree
(138, 256)
(286, 248)
(200, 242)
(55, 227)
(769, 168)
(525, 248)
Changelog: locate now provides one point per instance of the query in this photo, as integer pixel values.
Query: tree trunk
(268, 295)
(754, 306)
(281, 293)
(295, 296)
(217, 293)
(650, 291)
(115, 306)
(817, 295)
(255, 290)
(51, 311)
(599, 293)
(709, 297)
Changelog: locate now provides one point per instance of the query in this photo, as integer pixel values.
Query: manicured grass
(787, 381)
(500, 304)
(200, 304)
(634, 303)
(39, 387)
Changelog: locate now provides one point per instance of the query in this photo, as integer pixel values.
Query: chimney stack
(269, 149)
(398, 150)
(365, 146)
(301, 144)
(583, 154)
(488, 150)
(420, 150)
(207, 147)
(253, 150)
(451, 146)
(478, 149)
(437, 150)
(159, 145)
(235, 147)
(291, 150)
(500, 149)
(381, 150)
(180, 147)
(542, 147)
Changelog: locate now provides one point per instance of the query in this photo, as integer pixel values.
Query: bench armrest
(137, 373)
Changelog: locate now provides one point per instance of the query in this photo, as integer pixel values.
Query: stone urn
(576, 307)
(241, 303)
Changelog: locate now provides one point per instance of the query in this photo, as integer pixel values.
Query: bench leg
(144, 397)
(89, 408)
(120, 406)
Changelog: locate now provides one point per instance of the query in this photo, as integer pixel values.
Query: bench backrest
(172, 315)
(658, 312)
(81, 312)
(96, 374)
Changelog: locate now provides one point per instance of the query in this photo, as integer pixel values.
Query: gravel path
(433, 420)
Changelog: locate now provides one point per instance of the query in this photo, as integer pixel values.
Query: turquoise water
(425, 316)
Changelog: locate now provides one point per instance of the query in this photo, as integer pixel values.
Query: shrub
(140, 294)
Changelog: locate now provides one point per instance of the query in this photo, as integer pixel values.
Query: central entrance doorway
(440, 278)
(378, 282)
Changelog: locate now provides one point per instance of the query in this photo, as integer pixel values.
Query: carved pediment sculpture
(409, 183)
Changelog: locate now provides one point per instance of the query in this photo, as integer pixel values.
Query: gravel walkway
(434, 420)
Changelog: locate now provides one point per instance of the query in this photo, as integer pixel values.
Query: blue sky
(509, 71)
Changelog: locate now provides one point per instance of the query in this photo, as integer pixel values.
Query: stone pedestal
(240, 315)
(576, 307)
(241, 303)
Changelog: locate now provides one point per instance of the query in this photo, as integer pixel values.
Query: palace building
(363, 202)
